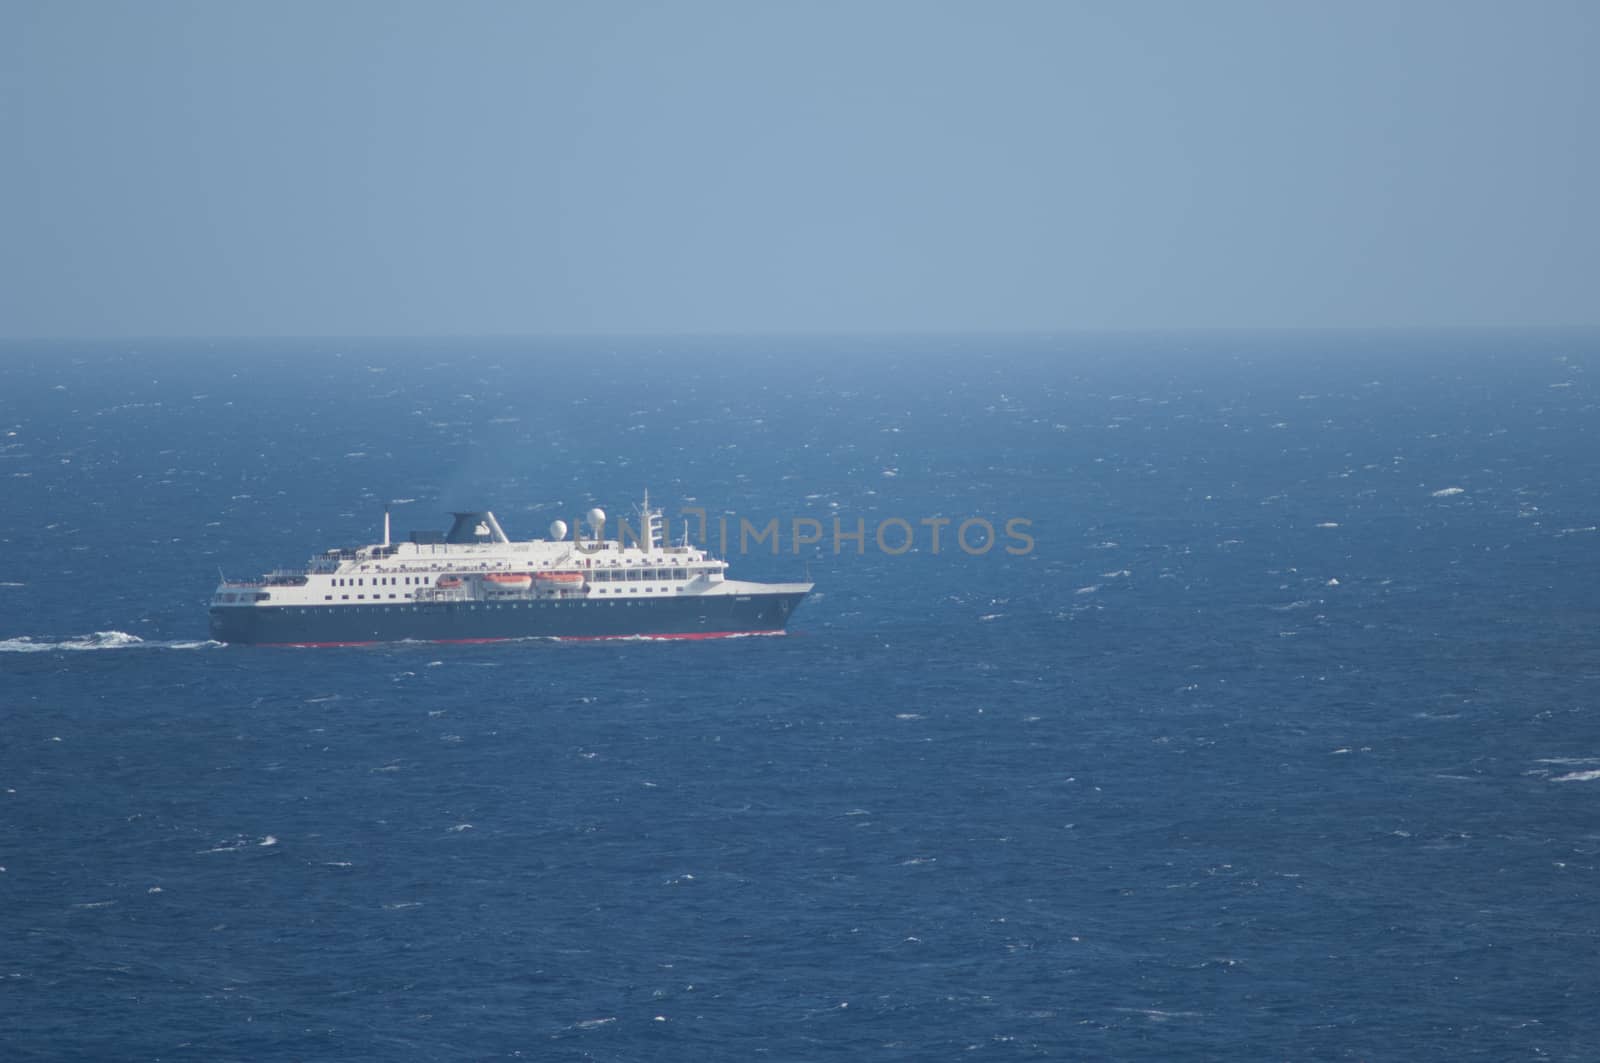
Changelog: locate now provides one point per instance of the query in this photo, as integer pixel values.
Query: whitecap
(1087, 590)
(1578, 776)
(1448, 492)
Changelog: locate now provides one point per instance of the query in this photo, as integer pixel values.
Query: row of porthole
(343, 609)
(360, 597)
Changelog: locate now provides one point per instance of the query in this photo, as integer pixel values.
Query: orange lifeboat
(508, 581)
(558, 581)
(448, 583)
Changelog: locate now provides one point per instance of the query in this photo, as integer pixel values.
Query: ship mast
(650, 522)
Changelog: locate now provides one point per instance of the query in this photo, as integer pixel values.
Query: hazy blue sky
(396, 167)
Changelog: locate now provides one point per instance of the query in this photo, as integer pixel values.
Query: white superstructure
(477, 562)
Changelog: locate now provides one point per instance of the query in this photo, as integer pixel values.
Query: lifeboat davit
(558, 581)
(508, 581)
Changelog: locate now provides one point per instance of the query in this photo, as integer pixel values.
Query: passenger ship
(475, 584)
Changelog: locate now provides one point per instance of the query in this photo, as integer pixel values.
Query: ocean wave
(100, 640)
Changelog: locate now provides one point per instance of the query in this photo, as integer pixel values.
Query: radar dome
(558, 530)
(596, 518)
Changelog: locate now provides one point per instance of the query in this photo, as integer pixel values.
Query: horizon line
(1042, 333)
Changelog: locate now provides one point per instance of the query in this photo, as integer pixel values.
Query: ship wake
(100, 640)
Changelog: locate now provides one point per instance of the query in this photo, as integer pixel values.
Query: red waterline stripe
(516, 638)
(674, 635)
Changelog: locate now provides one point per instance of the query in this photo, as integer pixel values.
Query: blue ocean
(1273, 732)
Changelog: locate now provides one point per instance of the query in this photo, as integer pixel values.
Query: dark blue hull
(689, 616)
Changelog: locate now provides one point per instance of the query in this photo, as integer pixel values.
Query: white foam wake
(100, 640)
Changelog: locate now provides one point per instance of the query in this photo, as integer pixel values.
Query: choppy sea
(1279, 737)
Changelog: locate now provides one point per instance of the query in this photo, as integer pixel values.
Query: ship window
(680, 573)
(344, 597)
(327, 597)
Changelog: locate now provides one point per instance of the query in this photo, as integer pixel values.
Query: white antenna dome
(596, 518)
(558, 530)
